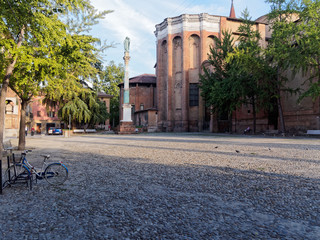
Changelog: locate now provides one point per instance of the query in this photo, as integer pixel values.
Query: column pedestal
(126, 125)
(126, 128)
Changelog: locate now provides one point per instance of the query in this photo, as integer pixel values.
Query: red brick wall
(140, 94)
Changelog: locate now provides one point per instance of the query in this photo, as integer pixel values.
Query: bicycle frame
(55, 173)
(31, 168)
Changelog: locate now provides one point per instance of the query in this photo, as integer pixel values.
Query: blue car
(54, 131)
(57, 131)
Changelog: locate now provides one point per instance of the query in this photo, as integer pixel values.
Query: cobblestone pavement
(170, 186)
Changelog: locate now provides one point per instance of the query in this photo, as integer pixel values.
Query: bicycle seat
(45, 156)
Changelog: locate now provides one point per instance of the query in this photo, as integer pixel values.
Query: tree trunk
(22, 135)
(254, 112)
(235, 121)
(230, 123)
(281, 118)
(3, 107)
(73, 124)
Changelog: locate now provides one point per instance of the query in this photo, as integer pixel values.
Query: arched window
(177, 54)
(194, 45)
(9, 107)
(210, 43)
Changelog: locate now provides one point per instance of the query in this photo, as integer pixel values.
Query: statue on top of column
(127, 44)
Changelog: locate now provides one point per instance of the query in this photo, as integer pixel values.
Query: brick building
(103, 97)
(12, 114)
(42, 118)
(38, 116)
(143, 99)
(183, 44)
(299, 117)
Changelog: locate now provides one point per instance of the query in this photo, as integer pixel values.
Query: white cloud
(127, 20)
(124, 21)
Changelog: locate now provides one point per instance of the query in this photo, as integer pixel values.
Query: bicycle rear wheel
(8, 176)
(56, 174)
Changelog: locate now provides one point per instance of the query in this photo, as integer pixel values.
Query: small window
(193, 94)
(38, 113)
(51, 114)
(141, 107)
(9, 107)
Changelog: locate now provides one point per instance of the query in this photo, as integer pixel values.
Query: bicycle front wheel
(56, 173)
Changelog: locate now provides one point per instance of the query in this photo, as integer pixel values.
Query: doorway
(38, 128)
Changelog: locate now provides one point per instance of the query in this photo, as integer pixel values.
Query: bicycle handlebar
(26, 151)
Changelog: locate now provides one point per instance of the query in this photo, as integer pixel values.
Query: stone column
(126, 124)
(126, 107)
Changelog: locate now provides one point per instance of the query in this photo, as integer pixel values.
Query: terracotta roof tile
(144, 78)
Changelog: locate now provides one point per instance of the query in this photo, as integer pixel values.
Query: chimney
(232, 12)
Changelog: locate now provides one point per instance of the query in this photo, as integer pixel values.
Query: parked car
(57, 131)
(50, 130)
(54, 131)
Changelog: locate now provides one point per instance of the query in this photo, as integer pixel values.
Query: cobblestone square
(170, 186)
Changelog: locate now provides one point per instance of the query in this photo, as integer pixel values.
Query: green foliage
(84, 108)
(307, 39)
(42, 51)
(281, 50)
(52, 52)
(253, 70)
(99, 113)
(295, 42)
(112, 76)
(216, 82)
(238, 75)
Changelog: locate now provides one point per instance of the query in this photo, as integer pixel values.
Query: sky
(137, 19)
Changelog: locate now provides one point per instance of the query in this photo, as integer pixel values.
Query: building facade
(183, 44)
(39, 117)
(105, 98)
(143, 99)
(12, 114)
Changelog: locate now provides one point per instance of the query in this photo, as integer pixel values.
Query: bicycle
(54, 173)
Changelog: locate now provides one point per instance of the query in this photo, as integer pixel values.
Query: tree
(281, 50)
(84, 109)
(25, 82)
(307, 39)
(71, 92)
(239, 75)
(112, 77)
(216, 84)
(250, 68)
(35, 38)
